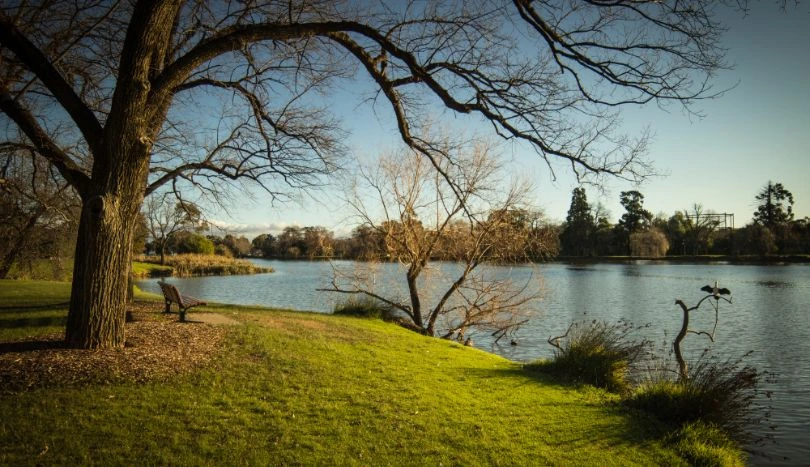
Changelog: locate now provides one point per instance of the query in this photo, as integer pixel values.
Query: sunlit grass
(311, 389)
(141, 269)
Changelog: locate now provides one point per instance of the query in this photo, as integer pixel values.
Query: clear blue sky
(757, 131)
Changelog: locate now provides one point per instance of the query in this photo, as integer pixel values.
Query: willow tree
(111, 93)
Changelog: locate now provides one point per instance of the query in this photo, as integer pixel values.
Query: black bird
(716, 291)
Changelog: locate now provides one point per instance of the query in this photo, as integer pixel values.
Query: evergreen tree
(636, 218)
(577, 236)
(775, 206)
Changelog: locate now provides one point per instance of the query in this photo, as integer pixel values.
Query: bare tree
(418, 212)
(700, 227)
(131, 81)
(37, 209)
(165, 217)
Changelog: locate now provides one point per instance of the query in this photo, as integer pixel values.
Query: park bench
(184, 302)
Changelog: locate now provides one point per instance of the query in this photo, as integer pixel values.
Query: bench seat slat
(184, 302)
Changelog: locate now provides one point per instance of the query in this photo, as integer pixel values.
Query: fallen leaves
(157, 348)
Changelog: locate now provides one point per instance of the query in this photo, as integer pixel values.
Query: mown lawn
(298, 388)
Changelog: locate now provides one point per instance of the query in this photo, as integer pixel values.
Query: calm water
(769, 316)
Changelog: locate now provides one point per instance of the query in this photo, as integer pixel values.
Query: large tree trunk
(111, 203)
(102, 268)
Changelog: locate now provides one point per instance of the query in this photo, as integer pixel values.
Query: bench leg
(182, 315)
(168, 307)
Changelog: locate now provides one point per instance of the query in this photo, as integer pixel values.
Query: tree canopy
(120, 96)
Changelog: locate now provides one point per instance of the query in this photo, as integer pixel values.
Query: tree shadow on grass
(37, 307)
(39, 322)
(637, 427)
(31, 345)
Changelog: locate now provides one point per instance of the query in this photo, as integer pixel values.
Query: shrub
(719, 394)
(365, 307)
(597, 353)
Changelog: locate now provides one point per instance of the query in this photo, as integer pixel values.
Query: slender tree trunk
(416, 304)
(683, 369)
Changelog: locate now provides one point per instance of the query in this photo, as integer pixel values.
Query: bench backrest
(170, 292)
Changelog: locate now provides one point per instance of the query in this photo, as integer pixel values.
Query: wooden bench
(172, 295)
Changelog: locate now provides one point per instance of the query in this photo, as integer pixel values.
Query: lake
(768, 316)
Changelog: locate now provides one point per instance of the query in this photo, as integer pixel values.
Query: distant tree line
(39, 225)
(367, 243)
(693, 231)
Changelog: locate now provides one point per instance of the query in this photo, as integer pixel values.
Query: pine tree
(577, 237)
(775, 206)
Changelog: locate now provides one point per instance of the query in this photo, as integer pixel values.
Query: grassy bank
(297, 388)
(187, 265)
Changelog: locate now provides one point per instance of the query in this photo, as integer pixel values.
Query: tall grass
(718, 393)
(596, 353)
(187, 265)
(364, 307)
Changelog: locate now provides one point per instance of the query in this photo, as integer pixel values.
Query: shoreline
(688, 259)
(684, 259)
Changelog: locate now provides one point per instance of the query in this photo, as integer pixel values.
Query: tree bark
(683, 369)
(416, 303)
(113, 198)
(101, 269)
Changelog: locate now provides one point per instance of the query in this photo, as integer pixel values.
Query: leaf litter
(157, 348)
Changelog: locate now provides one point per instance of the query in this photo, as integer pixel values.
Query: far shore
(689, 259)
(685, 259)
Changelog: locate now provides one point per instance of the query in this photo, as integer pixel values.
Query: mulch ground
(158, 347)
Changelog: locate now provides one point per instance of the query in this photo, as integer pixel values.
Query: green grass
(34, 308)
(43, 269)
(310, 389)
(30, 308)
(141, 269)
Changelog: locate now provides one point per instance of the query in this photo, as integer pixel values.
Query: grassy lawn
(298, 388)
(30, 308)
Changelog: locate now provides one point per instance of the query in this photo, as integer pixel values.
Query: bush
(365, 307)
(718, 394)
(597, 353)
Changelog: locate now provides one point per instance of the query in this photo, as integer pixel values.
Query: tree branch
(41, 66)
(44, 144)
